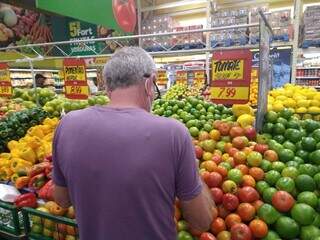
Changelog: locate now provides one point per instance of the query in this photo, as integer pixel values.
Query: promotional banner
(5, 81)
(281, 65)
(75, 79)
(182, 76)
(162, 78)
(231, 76)
(115, 14)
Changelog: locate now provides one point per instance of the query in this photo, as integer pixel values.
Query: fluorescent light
(173, 5)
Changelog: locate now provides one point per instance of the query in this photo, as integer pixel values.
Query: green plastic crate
(40, 225)
(11, 219)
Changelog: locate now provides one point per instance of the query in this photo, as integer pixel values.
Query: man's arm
(198, 212)
(196, 200)
(61, 196)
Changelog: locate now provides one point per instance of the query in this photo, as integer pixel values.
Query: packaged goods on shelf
(311, 29)
(280, 22)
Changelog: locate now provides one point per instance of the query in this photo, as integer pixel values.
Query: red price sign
(231, 76)
(75, 79)
(5, 81)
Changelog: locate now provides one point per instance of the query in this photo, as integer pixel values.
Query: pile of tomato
(258, 195)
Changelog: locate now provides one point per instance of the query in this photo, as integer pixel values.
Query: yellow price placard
(228, 69)
(5, 90)
(77, 90)
(224, 93)
(5, 75)
(75, 73)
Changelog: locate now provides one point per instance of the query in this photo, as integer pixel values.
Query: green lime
(285, 184)
(278, 166)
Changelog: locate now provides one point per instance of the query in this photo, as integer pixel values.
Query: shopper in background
(40, 80)
(122, 167)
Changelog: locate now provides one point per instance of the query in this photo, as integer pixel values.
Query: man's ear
(149, 86)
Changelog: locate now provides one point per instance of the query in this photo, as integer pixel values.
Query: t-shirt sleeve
(58, 177)
(188, 184)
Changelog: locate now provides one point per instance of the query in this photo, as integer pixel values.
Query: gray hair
(128, 66)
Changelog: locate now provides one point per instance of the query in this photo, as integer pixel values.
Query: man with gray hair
(123, 168)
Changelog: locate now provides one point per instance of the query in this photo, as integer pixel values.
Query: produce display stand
(11, 221)
(30, 214)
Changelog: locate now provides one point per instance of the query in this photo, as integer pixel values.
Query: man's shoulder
(171, 124)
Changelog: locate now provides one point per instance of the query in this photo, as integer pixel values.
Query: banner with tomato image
(5, 81)
(119, 15)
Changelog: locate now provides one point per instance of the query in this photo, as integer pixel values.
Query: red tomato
(217, 195)
(222, 212)
(207, 236)
(232, 219)
(198, 151)
(282, 201)
(125, 14)
(241, 231)
(217, 226)
(230, 201)
(248, 194)
(246, 211)
(214, 180)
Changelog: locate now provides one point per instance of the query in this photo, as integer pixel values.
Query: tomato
(272, 177)
(232, 151)
(282, 201)
(177, 213)
(245, 170)
(309, 198)
(214, 180)
(224, 235)
(232, 219)
(216, 158)
(287, 227)
(229, 186)
(224, 128)
(261, 186)
(236, 132)
(198, 150)
(246, 211)
(218, 225)
(268, 213)
(207, 236)
(257, 204)
(258, 228)
(286, 184)
(230, 201)
(256, 173)
(248, 194)
(261, 148)
(240, 231)
(217, 195)
(210, 166)
(240, 142)
(272, 235)
(309, 232)
(254, 159)
(240, 157)
(222, 171)
(222, 212)
(125, 14)
(183, 235)
(235, 175)
(250, 133)
(270, 155)
(303, 214)
(291, 172)
(268, 194)
(248, 180)
(305, 183)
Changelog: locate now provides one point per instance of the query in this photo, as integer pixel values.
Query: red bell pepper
(26, 200)
(48, 171)
(37, 181)
(46, 192)
(38, 168)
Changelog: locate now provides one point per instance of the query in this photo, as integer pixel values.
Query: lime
(292, 164)
(293, 124)
(283, 121)
(267, 128)
(293, 135)
(279, 138)
(302, 154)
(310, 233)
(286, 113)
(272, 235)
(285, 184)
(316, 178)
(316, 135)
(278, 166)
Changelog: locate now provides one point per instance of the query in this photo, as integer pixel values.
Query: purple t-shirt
(123, 169)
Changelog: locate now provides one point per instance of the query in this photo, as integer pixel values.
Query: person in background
(93, 86)
(122, 167)
(40, 80)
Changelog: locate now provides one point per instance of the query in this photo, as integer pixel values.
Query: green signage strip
(119, 15)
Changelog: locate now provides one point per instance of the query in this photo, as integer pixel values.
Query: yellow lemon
(289, 93)
(310, 95)
(303, 103)
(277, 106)
(269, 107)
(298, 97)
(289, 103)
(314, 103)
(281, 98)
(314, 110)
(301, 110)
(317, 97)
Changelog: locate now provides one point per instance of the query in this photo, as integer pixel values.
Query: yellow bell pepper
(5, 155)
(49, 137)
(15, 153)
(12, 144)
(47, 148)
(240, 109)
(40, 152)
(28, 154)
(35, 131)
(53, 122)
(46, 129)
(34, 142)
(5, 173)
(18, 164)
(14, 177)
(5, 162)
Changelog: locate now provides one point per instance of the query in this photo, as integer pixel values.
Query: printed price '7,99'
(227, 92)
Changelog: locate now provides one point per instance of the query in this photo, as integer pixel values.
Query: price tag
(231, 76)
(75, 79)
(5, 81)
(199, 74)
(238, 93)
(181, 77)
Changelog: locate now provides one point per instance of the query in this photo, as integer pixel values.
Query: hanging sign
(75, 79)
(5, 81)
(181, 77)
(198, 77)
(162, 77)
(231, 76)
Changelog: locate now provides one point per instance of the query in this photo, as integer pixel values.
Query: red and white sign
(75, 78)
(5, 81)
(231, 76)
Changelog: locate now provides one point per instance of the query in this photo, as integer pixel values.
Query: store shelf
(308, 68)
(312, 77)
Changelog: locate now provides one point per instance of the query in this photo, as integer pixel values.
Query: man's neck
(126, 98)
